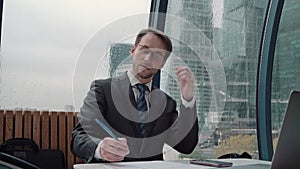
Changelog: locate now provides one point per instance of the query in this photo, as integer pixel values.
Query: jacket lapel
(127, 104)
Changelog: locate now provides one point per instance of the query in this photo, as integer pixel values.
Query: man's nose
(148, 56)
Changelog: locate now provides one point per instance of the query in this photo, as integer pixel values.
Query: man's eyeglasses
(155, 55)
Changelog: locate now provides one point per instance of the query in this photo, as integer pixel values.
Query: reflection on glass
(286, 68)
(219, 41)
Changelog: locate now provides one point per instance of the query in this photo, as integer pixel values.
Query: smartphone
(211, 163)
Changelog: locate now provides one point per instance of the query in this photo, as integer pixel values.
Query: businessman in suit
(142, 116)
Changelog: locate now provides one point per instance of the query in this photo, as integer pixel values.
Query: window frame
(157, 20)
(264, 79)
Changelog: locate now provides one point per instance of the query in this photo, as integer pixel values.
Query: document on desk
(139, 165)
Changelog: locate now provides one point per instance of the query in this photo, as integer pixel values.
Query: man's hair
(158, 33)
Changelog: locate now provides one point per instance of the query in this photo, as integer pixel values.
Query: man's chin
(144, 75)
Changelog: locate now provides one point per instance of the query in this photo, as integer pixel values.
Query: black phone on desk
(211, 163)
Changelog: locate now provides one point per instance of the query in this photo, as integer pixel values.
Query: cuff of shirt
(188, 104)
(97, 151)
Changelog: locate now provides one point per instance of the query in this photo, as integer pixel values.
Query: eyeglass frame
(153, 56)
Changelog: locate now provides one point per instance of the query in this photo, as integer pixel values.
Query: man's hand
(186, 82)
(112, 150)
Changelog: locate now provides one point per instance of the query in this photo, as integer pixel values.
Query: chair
(27, 150)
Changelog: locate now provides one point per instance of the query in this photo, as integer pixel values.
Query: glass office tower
(242, 26)
(184, 20)
(118, 58)
(286, 62)
(234, 40)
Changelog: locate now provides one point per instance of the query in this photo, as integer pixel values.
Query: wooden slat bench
(50, 130)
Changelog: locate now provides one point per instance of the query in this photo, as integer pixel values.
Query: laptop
(287, 151)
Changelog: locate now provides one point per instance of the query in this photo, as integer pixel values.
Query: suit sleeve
(86, 134)
(183, 135)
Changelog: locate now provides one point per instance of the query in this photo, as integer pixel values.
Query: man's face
(148, 57)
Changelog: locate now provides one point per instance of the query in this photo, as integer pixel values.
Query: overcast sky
(42, 43)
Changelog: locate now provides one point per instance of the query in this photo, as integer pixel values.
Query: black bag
(235, 155)
(28, 150)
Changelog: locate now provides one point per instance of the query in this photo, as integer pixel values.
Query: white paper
(139, 165)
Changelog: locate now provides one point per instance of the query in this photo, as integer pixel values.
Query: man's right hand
(113, 150)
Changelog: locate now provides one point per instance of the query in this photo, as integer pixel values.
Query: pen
(104, 127)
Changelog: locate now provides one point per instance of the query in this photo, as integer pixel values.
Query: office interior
(245, 56)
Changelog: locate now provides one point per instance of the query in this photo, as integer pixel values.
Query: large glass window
(44, 64)
(286, 67)
(219, 41)
(51, 50)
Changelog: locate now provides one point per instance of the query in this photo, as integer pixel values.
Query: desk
(163, 164)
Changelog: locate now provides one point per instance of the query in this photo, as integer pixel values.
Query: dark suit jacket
(112, 100)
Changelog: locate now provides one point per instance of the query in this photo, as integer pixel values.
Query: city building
(119, 58)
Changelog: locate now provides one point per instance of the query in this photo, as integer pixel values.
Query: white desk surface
(163, 164)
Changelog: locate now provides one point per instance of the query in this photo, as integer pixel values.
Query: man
(141, 115)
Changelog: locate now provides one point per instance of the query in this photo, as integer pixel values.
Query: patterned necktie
(142, 106)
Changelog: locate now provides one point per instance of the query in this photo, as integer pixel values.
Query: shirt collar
(134, 80)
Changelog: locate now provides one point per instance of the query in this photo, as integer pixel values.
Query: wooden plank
(2, 127)
(76, 119)
(36, 132)
(18, 124)
(49, 131)
(62, 133)
(77, 159)
(27, 124)
(70, 124)
(54, 130)
(9, 124)
(45, 130)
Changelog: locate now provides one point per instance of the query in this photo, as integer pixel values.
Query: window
(52, 50)
(44, 62)
(286, 68)
(228, 62)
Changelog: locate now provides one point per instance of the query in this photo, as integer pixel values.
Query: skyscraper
(119, 58)
(242, 28)
(286, 68)
(190, 26)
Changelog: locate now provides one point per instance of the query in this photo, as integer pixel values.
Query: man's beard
(144, 75)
